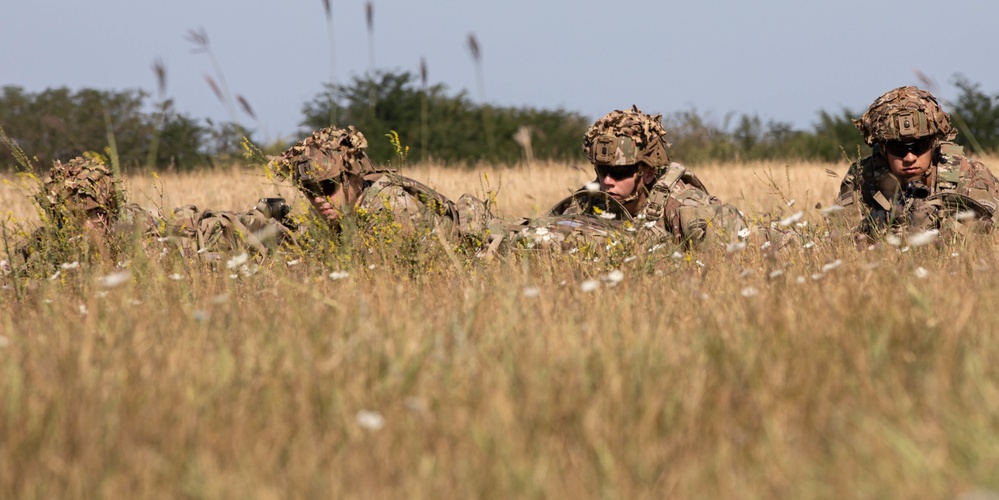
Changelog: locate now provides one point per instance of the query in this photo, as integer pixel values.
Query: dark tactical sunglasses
(325, 187)
(900, 149)
(618, 172)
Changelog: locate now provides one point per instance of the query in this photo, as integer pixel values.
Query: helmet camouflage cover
(905, 114)
(626, 138)
(79, 185)
(327, 154)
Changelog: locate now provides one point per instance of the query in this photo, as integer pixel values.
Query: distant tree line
(434, 123)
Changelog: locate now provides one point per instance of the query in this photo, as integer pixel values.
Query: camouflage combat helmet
(79, 186)
(905, 114)
(627, 138)
(327, 155)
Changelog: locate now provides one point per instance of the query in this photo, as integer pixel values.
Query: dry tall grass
(822, 372)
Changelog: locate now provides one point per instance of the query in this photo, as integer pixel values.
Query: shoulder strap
(655, 205)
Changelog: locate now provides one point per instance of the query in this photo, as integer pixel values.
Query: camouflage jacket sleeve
(849, 188)
(979, 183)
(696, 218)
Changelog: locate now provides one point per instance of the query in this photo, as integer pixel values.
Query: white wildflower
(905, 249)
(776, 273)
(55, 276)
(699, 263)
(293, 262)
(926, 237)
(541, 231)
(249, 270)
(101, 294)
(765, 245)
(573, 250)
(83, 309)
(615, 276)
(4, 341)
(808, 245)
(592, 187)
(801, 280)
(371, 266)
(655, 247)
(750, 292)
(832, 209)
(531, 292)
(70, 265)
(370, 420)
(115, 279)
(608, 215)
(339, 275)
(746, 273)
(589, 285)
(893, 240)
(921, 273)
(629, 259)
(735, 246)
(791, 219)
(135, 302)
(175, 277)
(817, 276)
(676, 255)
(649, 225)
(791, 203)
(965, 215)
(744, 233)
(832, 265)
(237, 260)
(955, 254)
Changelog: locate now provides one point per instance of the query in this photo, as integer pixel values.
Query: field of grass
(818, 371)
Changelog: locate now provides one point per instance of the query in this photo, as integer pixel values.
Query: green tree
(976, 114)
(382, 101)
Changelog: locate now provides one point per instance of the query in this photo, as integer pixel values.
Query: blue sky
(781, 59)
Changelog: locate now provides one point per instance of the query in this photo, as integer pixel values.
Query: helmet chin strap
(634, 196)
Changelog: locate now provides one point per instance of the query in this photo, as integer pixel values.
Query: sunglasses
(901, 149)
(618, 172)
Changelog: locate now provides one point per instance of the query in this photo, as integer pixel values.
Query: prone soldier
(635, 179)
(331, 167)
(86, 216)
(916, 178)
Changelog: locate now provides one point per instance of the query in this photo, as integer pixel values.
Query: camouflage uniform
(956, 193)
(332, 157)
(676, 205)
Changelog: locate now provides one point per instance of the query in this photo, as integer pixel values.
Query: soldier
(332, 169)
(916, 179)
(86, 216)
(635, 179)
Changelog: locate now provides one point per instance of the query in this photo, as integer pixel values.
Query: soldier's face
(909, 160)
(620, 181)
(340, 200)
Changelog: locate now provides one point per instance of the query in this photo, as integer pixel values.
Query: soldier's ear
(648, 174)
